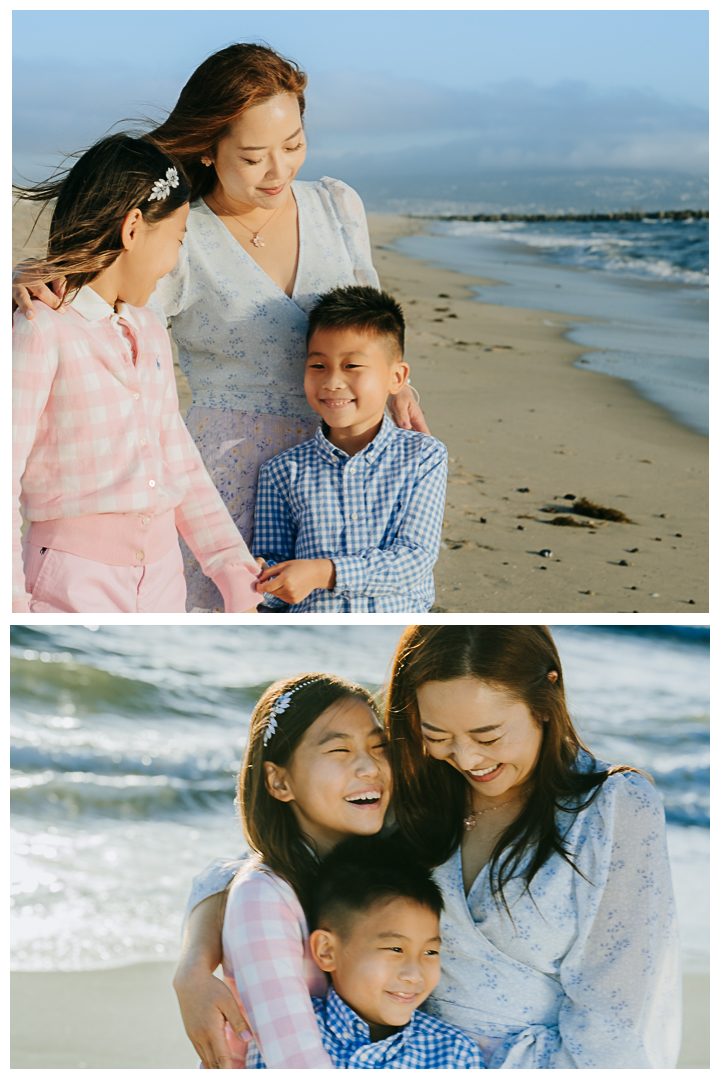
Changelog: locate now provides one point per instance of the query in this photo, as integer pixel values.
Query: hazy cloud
(393, 125)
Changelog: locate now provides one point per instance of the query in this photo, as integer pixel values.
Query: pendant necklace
(469, 822)
(257, 240)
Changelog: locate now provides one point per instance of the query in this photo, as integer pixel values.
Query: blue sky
(439, 92)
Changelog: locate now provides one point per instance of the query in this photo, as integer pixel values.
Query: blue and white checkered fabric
(377, 515)
(424, 1043)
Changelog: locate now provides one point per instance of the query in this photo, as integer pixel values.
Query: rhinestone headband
(282, 703)
(161, 187)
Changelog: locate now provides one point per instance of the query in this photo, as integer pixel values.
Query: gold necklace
(469, 822)
(257, 240)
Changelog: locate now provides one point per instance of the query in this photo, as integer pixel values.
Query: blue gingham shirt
(424, 1043)
(378, 516)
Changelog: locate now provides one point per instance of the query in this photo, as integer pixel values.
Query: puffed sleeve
(171, 292)
(622, 975)
(351, 214)
(215, 878)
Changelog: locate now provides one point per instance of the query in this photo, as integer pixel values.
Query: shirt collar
(347, 1027)
(329, 452)
(92, 307)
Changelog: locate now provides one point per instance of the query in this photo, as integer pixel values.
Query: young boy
(377, 935)
(351, 520)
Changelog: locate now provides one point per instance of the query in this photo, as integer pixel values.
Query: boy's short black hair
(363, 870)
(361, 307)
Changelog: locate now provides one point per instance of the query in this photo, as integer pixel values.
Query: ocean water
(126, 742)
(645, 282)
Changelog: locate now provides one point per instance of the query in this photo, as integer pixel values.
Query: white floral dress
(241, 343)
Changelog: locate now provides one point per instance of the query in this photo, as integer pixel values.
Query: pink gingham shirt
(267, 962)
(97, 431)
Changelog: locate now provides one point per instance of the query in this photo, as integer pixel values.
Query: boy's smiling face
(348, 376)
(385, 963)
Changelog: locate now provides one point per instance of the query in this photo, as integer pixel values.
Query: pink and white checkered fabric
(96, 433)
(266, 954)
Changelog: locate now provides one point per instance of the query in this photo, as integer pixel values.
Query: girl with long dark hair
(315, 770)
(103, 466)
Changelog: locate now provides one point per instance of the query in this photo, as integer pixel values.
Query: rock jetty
(620, 215)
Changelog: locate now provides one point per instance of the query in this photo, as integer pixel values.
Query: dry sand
(128, 1018)
(499, 388)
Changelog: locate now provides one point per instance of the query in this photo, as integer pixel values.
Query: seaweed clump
(607, 513)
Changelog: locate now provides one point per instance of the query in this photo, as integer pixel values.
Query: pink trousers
(59, 581)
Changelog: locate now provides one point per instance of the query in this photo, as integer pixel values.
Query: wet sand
(128, 1018)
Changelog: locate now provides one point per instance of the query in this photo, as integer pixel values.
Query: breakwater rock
(620, 215)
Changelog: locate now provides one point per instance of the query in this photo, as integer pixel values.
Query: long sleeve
(406, 562)
(621, 977)
(275, 527)
(265, 955)
(35, 361)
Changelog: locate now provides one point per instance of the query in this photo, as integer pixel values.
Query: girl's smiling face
(338, 780)
(483, 732)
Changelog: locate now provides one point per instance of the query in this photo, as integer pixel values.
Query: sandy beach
(128, 1018)
(525, 428)
(499, 388)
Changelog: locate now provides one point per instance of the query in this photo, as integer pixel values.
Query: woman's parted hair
(431, 798)
(270, 826)
(93, 198)
(224, 86)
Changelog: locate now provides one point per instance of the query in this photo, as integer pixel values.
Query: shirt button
(136, 395)
(354, 517)
(139, 555)
(145, 520)
(143, 441)
(351, 469)
(151, 483)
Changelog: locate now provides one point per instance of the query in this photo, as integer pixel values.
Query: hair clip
(161, 187)
(282, 703)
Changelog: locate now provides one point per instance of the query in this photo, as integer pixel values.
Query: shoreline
(500, 388)
(128, 1018)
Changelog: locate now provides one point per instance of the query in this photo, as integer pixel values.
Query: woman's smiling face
(338, 780)
(482, 731)
(260, 157)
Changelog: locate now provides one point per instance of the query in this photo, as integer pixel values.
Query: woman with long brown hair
(559, 926)
(559, 935)
(261, 247)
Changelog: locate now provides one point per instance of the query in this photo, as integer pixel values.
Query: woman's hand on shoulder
(406, 412)
(26, 286)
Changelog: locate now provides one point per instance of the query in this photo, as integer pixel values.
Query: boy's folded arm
(408, 560)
